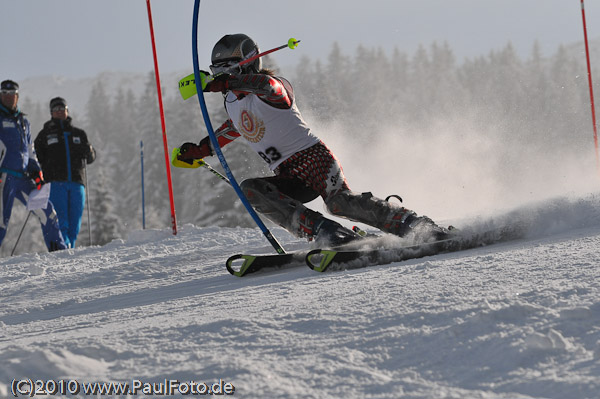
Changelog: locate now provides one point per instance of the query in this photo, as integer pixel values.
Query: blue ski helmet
(232, 49)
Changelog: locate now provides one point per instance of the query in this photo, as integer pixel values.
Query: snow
(513, 320)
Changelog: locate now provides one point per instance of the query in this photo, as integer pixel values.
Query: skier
(63, 151)
(261, 108)
(20, 172)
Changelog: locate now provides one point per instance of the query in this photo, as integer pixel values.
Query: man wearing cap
(64, 151)
(20, 172)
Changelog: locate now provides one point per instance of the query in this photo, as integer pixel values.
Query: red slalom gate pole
(587, 55)
(162, 121)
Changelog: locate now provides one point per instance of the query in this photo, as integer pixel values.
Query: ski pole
(87, 200)
(143, 192)
(19, 237)
(187, 85)
(215, 172)
(292, 44)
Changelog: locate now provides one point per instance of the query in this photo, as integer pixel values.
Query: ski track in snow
(513, 320)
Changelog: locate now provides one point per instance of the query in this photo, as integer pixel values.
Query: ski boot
(386, 216)
(329, 233)
(423, 229)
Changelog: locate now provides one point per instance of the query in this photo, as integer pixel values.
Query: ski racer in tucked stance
(262, 109)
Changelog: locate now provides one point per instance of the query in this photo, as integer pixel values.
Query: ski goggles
(226, 67)
(231, 66)
(9, 92)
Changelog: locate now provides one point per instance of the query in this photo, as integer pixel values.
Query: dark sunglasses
(11, 92)
(59, 108)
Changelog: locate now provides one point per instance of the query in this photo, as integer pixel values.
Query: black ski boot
(423, 229)
(329, 233)
(386, 216)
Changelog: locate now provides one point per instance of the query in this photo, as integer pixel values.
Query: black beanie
(9, 85)
(57, 101)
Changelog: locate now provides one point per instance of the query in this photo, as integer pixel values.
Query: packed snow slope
(513, 320)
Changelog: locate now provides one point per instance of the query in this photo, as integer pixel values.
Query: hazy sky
(79, 38)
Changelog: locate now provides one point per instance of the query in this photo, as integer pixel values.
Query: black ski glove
(90, 155)
(215, 83)
(38, 179)
(191, 151)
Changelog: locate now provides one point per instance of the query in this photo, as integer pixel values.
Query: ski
(372, 251)
(241, 264)
(321, 260)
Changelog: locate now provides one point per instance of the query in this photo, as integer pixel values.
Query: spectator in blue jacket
(64, 151)
(20, 172)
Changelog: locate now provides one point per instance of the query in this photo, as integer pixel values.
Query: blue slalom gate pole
(215, 142)
(143, 198)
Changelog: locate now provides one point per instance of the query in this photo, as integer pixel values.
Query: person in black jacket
(63, 151)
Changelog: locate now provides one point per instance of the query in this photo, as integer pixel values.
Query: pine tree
(148, 126)
(35, 114)
(569, 98)
(420, 88)
(338, 88)
(126, 150)
(104, 176)
(98, 114)
(398, 92)
(105, 224)
(186, 125)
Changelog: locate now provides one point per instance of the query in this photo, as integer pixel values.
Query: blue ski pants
(68, 199)
(16, 187)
